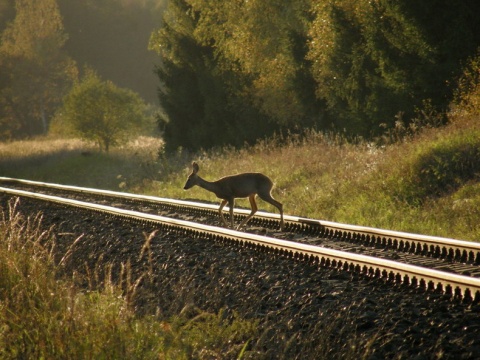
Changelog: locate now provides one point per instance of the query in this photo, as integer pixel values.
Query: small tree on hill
(102, 112)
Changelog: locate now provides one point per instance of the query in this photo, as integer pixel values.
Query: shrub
(102, 112)
(448, 165)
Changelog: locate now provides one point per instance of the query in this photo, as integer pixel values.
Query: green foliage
(264, 48)
(36, 71)
(467, 95)
(375, 60)
(381, 59)
(100, 111)
(293, 64)
(218, 90)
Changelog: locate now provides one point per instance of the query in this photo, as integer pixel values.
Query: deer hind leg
(253, 204)
(220, 211)
(268, 198)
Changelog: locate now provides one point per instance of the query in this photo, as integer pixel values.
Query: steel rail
(456, 286)
(465, 251)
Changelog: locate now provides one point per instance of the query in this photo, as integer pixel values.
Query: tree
(203, 101)
(230, 74)
(242, 69)
(376, 60)
(263, 40)
(100, 111)
(36, 72)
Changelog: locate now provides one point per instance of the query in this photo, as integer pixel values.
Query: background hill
(112, 36)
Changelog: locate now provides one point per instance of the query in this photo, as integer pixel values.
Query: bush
(447, 165)
(102, 112)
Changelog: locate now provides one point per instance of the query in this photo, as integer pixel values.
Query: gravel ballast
(304, 311)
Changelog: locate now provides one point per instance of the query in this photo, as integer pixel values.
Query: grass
(426, 183)
(75, 162)
(46, 315)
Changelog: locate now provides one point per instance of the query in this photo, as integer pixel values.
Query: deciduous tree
(232, 72)
(374, 61)
(102, 112)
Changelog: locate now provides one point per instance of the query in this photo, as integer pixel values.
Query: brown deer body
(231, 187)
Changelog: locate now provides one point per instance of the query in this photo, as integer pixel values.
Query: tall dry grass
(47, 315)
(426, 183)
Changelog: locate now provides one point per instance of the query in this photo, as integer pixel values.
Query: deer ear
(195, 167)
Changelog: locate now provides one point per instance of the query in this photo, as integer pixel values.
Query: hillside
(426, 184)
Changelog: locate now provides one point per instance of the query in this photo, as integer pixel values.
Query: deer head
(192, 178)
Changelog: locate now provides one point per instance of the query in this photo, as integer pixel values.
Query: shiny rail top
(329, 226)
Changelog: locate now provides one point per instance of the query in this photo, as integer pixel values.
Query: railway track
(444, 265)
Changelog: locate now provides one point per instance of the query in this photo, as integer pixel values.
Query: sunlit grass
(24, 149)
(76, 162)
(324, 177)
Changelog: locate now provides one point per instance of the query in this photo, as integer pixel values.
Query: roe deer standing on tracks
(231, 187)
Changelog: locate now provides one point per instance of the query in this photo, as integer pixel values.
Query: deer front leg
(220, 211)
(253, 204)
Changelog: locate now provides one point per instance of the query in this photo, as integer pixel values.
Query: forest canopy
(234, 71)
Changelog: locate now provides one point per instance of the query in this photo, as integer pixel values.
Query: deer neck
(207, 185)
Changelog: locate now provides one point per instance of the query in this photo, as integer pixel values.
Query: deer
(229, 188)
